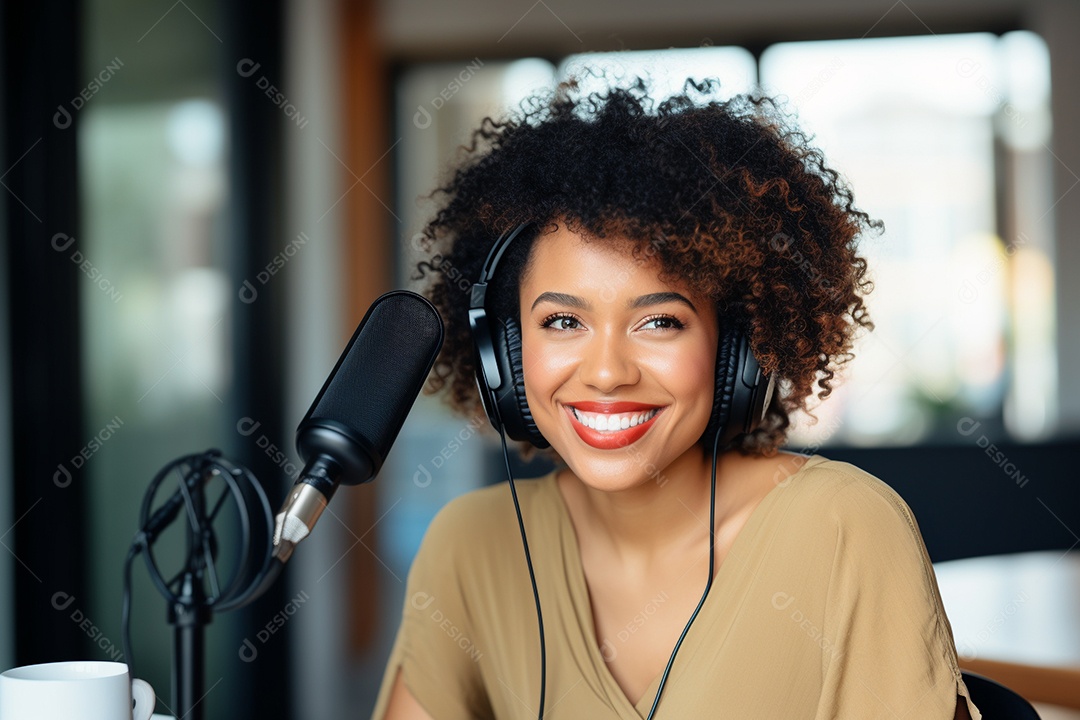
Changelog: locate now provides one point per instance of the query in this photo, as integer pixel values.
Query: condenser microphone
(357, 415)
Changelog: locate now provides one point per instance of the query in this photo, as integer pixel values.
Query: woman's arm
(441, 677)
(403, 706)
(883, 611)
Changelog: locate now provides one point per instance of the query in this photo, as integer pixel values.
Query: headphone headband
(478, 291)
(497, 250)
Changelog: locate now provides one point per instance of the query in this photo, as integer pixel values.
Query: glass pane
(916, 126)
(157, 324)
(156, 331)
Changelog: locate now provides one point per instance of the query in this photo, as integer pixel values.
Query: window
(943, 138)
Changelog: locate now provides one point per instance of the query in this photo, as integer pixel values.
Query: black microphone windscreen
(366, 398)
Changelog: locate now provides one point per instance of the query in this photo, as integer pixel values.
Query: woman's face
(619, 366)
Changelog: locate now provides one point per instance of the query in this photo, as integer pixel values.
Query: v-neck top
(825, 606)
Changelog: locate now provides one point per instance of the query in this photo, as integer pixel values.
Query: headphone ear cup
(513, 405)
(727, 369)
(742, 390)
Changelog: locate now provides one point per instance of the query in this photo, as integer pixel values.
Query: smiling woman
(647, 325)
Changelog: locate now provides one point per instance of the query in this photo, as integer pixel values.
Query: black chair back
(995, 701)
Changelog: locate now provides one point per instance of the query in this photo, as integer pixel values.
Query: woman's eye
(561, 322)
(663, 322)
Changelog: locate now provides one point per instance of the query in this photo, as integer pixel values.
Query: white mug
(77, 690)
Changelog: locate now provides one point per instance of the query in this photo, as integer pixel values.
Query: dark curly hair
(726, 195)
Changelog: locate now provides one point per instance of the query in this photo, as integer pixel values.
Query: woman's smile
(608, 426)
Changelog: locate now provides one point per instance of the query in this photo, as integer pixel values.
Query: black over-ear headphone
(741, 395)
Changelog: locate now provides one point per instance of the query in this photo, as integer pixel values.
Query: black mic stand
(190, 605)
(341, 442)
(188, 616)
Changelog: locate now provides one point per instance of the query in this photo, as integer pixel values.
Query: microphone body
(356, 417)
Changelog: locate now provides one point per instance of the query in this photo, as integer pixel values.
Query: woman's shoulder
(484, 514)
(840, 516)
(848, 496)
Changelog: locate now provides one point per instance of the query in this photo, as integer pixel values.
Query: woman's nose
(607, 362)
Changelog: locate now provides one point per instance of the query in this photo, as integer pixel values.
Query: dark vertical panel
(253, 60)
(40, 61)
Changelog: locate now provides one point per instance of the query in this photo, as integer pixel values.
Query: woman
(649, 243)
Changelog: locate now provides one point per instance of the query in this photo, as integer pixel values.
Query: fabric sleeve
(433, 648)
(893, 654)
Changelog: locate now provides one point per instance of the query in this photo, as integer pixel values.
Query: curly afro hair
(726, 196)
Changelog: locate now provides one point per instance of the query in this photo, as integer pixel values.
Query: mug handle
(144, 698)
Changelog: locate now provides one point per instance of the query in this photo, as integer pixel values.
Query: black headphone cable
(536, 592)
(708, 583)
(532, 575)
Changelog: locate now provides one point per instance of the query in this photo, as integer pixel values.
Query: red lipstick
(611, 407)
(614, 439)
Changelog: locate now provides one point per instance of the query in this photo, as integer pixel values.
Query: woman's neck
(643, 525)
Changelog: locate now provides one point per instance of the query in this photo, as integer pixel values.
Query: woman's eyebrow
(561, 299)
(659, 298)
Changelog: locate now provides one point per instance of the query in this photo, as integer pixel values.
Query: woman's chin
(615, 474)
(649, 466)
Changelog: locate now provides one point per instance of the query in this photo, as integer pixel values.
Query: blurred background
(200, 200)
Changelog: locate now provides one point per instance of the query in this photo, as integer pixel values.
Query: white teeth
(606, 422)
